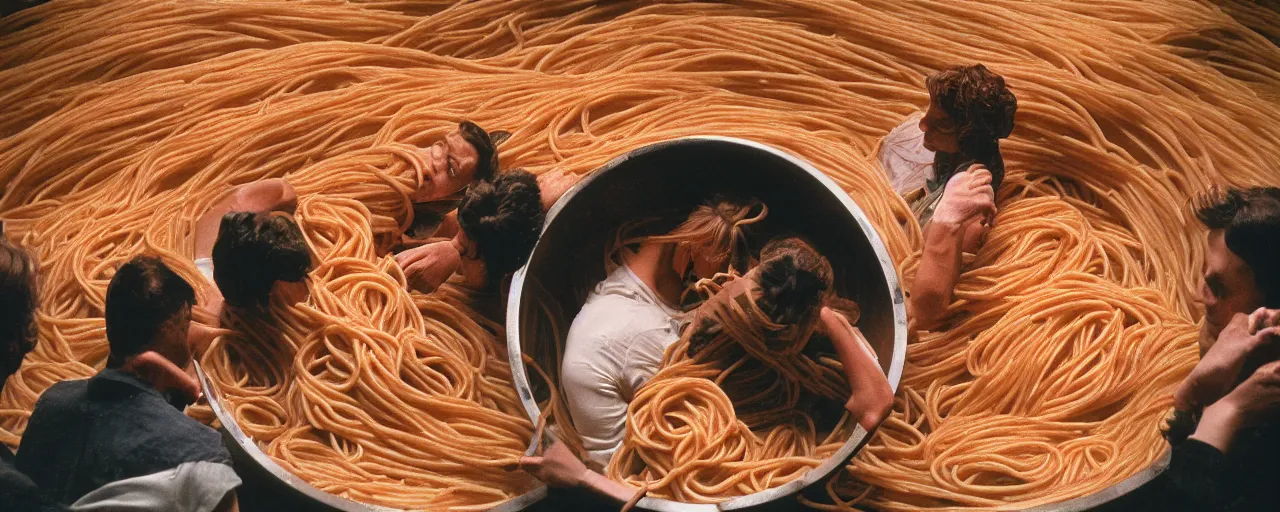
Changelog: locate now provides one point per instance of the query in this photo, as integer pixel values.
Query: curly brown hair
(17, 307)
(982, 108)
(503, 216)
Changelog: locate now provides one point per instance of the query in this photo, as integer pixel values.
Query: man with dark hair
(17, 338)
(17, 307)
(254, 251)
(502, 219)
(1242, 265)
(484, 144)
(499, 223)
(1224, 430)
(252, 233)
(120, 437)
(948, 166)
(465, 156)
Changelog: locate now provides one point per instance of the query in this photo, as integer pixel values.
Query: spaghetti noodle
(123, 120)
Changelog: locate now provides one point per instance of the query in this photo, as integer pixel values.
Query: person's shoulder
(67, 387)
(61, 394)
(204, 444)
(188, 440)
(614, 314)
(907, 130)
(170, 430)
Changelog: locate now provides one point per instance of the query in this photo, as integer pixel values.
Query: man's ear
(499, 136)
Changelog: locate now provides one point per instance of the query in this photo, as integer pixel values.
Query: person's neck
(945, 165)
(654, 264)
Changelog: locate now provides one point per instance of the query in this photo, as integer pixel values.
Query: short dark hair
(503, 216)
(486, 150)
(17, 307)
(253, 251)
(794, 280)
(1250, 219)
(143, 295)
(982, 108)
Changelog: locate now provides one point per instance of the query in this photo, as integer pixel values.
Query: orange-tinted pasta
(123, 121)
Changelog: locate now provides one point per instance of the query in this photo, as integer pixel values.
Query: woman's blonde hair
(715, 231)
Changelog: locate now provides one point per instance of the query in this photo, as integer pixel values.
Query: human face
(291, 292)
(689, 264)
(707, 268)
(939, 130)
(472, 267)
(1228, 288)
(451, 163)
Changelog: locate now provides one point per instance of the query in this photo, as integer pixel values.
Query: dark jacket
(1247, 478)
(84, 434)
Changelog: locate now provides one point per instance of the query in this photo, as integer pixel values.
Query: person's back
(613, 346)
(120, 439)
(85, 434)
(17, 338)
(617, 340)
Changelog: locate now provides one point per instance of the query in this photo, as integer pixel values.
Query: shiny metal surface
(676, 175)
(245, 449)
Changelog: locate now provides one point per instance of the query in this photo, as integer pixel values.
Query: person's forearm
(853, 358)
(935, 281)
(608, 487)
(1218, 426)
(872, 396)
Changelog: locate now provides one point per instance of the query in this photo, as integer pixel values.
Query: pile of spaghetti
(733, 408)
(122, 120)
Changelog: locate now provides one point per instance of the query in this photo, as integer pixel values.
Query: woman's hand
(1263, 318)
(968, 196)
(427, 267)
(1256, 401)
(1246, 338)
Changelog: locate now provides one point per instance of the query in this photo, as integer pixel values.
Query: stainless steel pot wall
(675, 176)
